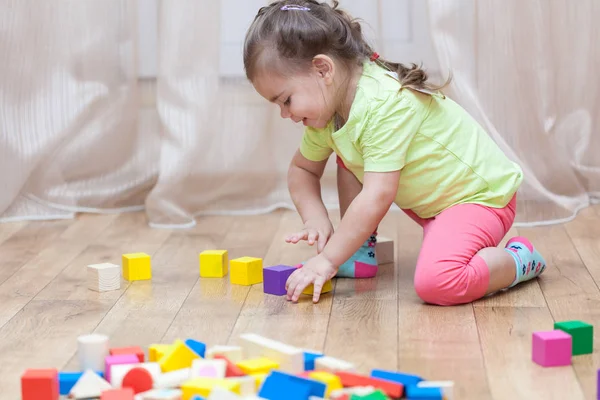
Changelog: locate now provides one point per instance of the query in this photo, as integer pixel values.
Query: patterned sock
(363, 264)
(530, 264)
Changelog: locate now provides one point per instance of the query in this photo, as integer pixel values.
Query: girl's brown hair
(295, 31)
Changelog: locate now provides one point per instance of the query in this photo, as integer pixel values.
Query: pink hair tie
(294, 7)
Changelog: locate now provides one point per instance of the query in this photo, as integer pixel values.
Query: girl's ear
(324, 67)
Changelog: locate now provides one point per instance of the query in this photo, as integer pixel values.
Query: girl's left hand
(317, 271)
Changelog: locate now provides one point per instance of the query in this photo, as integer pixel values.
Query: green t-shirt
(444, 155)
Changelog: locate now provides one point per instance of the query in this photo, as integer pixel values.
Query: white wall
(402, 25)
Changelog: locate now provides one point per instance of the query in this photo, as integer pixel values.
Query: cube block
(214, 263)
(136, 350)
(117, 394)
(137, 267)
(246, 271)
(552, 348)
(260, 365)
(117, 360)
(39, 384)
(582, 334)
(274, 279)
(103, 277)
(327, 287)
(384, 250)
(203, 387)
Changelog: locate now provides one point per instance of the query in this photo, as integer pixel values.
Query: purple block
(118, 359)
(274, 279)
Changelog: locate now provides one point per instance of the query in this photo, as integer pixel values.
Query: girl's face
(306, 98)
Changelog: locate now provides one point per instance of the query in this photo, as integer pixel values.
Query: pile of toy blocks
(554, 348)
(256, 368)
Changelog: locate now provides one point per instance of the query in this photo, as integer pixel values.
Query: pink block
(118, 359)
(552, 348)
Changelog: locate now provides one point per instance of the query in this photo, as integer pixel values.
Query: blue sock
(529, 263)
(363, 264)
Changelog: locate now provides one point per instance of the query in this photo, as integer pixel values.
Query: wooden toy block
(196, 346)
(290, 359)
(213, 368)
(309, 359)
(331, 364)
(257, 365)
(180, 356)
(110, 361)
(416, 392)
(172, 379)
(103, 277)
(117, 394)
(248, 384)
(66, 380)
(274, 279)
(447, 387)
(231, 369)
(136, 350)
(39, 384)
(346, 393)
(392, 389)
(203, 387)
(378, 394)
(552, 348)
(157, 351)
(138, 379)
(384, 250)
(246, 271)
(90, 385)
(332, 382)
(161, 394)
(119, 371)
(293, 387)
(233, 353)
(399, 377)
(259, 379)
(91, 351)
(219, 393)
(137, 267)
(582, 334)
(327, 287)
(214, 263)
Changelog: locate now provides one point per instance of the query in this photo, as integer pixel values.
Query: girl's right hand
(318, 231)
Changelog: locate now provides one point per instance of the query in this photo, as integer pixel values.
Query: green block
(582, 334)
(376, 395)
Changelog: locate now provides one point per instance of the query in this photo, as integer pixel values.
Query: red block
(350, 379)
(139, 380)
(135, 350)
(231, 369)
(39, 384)
(117, 394)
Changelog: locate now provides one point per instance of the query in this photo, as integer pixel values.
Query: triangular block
(90, 385)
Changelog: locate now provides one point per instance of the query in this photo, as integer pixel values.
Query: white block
(232, 353)
(446, 386)
(247, 384)
(118, 372)
(333, 365)
(219, 393)
(203, 368)
(92, 351)
(103, 277)
(172, 379)
(384, 250)
(358, 390)
(289, 358)
(160, 394)
(89, 385)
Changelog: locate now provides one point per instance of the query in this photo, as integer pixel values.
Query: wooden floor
(378, 323)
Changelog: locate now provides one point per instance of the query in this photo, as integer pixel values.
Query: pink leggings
(449, 271)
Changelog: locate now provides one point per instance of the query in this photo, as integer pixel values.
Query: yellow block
(327, 287)
(257, 366)
(157, 351)
(136, 267)
(178, 357)
(332, 381)
(213, 263)
(259, 379)
(246, 271)
(203, 387)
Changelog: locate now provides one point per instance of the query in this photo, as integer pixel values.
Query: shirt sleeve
(314, 144)
(392, 125)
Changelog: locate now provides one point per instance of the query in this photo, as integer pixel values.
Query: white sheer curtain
(80, 132)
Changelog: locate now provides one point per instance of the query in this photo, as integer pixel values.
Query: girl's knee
(447, 287)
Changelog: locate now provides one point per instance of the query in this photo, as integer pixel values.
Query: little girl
(397, 140)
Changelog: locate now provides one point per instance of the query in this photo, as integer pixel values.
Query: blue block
(66, 380)
(309, 360)
(196, 346)
(196, 397)
(423, 393)
(405, 379)
(282, 386)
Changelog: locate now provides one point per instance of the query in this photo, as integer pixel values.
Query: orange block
(39, 384)
(135, 350)
(117, 394)
(350, 379)
(231, 369)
